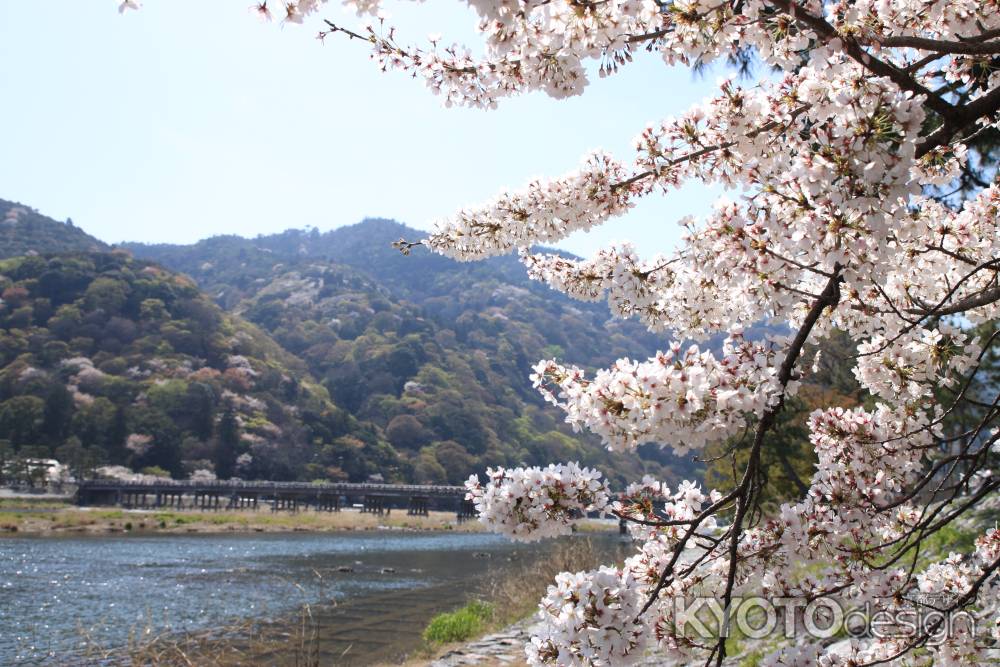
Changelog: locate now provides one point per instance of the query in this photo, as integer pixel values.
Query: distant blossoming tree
(863, 203)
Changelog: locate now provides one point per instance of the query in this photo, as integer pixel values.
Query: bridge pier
(419, 506)
(289, 503)
(328, 503)
(242, 501)
(207, 500)
(466, 510)
(375, 504)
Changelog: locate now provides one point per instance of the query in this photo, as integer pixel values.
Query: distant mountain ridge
(24, 230)
(443, 286)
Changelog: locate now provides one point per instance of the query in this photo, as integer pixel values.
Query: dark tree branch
(940, 45)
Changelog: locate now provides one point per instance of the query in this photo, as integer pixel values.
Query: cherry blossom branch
(852, 48)
(829, 298)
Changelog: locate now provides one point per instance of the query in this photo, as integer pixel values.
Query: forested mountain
(436, 353)
(312, 291)
(233, 269)
(117, 360)
(323, 356)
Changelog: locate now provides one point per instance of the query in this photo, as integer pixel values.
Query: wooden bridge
(276, 496)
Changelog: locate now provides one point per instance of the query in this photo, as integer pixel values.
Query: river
(370, 593)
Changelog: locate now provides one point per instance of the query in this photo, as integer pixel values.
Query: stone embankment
(500, 648)
(505, 648)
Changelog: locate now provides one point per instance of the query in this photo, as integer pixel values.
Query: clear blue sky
(191, 118)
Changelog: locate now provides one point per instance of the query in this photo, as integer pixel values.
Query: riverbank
(53, 517)
(506, 610)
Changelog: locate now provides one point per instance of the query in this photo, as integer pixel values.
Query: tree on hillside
(58, 412)
(836, 158)
(7, 456)
(80, 460)
(22, 420)
(227, 444)
(406, 432)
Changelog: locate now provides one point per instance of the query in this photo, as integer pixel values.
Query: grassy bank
(52, 518)
(510, 599)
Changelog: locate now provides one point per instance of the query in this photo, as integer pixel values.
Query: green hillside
(295, 356)
(436, 353)
(134, 365)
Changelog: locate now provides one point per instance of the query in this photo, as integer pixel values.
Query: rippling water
(58, 593)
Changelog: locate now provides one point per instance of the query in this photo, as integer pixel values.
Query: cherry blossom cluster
(866, 461)
(684, 399)
(650, 501)
(658, 521)
(528, 504)
(941, 165)
(865, 457)
(593, 618)
(943, 257)
(590, 618)
(908, 367)
(634, 287)
(545, 211)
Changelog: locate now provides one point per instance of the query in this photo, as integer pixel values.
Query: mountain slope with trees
(295, 356)
(436, 353)
(108, 359)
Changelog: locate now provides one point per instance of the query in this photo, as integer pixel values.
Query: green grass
(33, 503)
(459, 625)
